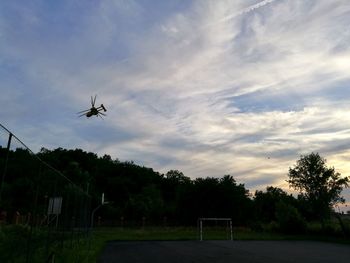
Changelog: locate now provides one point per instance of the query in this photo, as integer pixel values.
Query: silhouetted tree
(215, 197)
(134, 191)
(173, 187)
(177, 177)
(265, 203)
(319, 185)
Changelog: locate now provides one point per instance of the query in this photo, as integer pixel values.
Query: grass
(20, 243)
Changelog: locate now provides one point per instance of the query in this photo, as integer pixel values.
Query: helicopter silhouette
(93, 111)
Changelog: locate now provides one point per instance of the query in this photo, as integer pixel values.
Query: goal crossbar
(200, 224)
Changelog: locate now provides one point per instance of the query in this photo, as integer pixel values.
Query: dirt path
(224, 251)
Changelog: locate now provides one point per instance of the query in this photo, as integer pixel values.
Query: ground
(224, 251)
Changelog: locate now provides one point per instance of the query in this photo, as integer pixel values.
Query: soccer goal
(226, 222)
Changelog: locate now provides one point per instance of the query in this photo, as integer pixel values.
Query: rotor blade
(92, 102)
(102, 113)
(100, 116)
(84, 114)
(83, 111)
(95, 99)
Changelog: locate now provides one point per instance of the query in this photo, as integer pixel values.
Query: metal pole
(201, 229)
(231, 229)
(91, 227)
(92, 217)
(5, 166)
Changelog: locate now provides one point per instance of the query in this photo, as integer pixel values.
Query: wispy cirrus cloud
(206, 87)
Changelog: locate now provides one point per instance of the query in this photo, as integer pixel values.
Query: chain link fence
(42, 212)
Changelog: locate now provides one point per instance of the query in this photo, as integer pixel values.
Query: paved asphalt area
(224, 252)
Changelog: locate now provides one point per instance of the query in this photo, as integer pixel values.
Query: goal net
(213, 226)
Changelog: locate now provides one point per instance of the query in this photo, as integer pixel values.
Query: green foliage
(135, 191)
(147, 204)
(289, 219)
(329, 228)
(13, 242)
(214, 197)
(19, 244)
(265, 203)
(319, 185)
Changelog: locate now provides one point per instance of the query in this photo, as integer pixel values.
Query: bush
(329, 228)
(289, 219)
(13, 242)
(256, 226)
(19, 243)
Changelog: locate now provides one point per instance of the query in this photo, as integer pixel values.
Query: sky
(208, 88)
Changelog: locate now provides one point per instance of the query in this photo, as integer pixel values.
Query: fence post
(5, 165)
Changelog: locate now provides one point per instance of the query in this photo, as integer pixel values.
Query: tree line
(137, 192)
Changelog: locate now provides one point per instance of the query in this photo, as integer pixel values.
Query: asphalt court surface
(224, 252)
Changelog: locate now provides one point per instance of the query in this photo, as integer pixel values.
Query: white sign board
(55, 205)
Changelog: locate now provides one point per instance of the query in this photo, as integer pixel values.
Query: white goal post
(202, 219)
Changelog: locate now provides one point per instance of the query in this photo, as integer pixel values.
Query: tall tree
(319, 185)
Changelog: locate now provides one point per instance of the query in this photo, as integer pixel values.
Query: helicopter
(97, 111)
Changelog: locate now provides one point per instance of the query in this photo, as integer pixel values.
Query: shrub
(289, 219)
(13, 241)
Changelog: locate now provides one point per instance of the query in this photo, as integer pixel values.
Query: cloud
(205, 87)
(246, 10)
